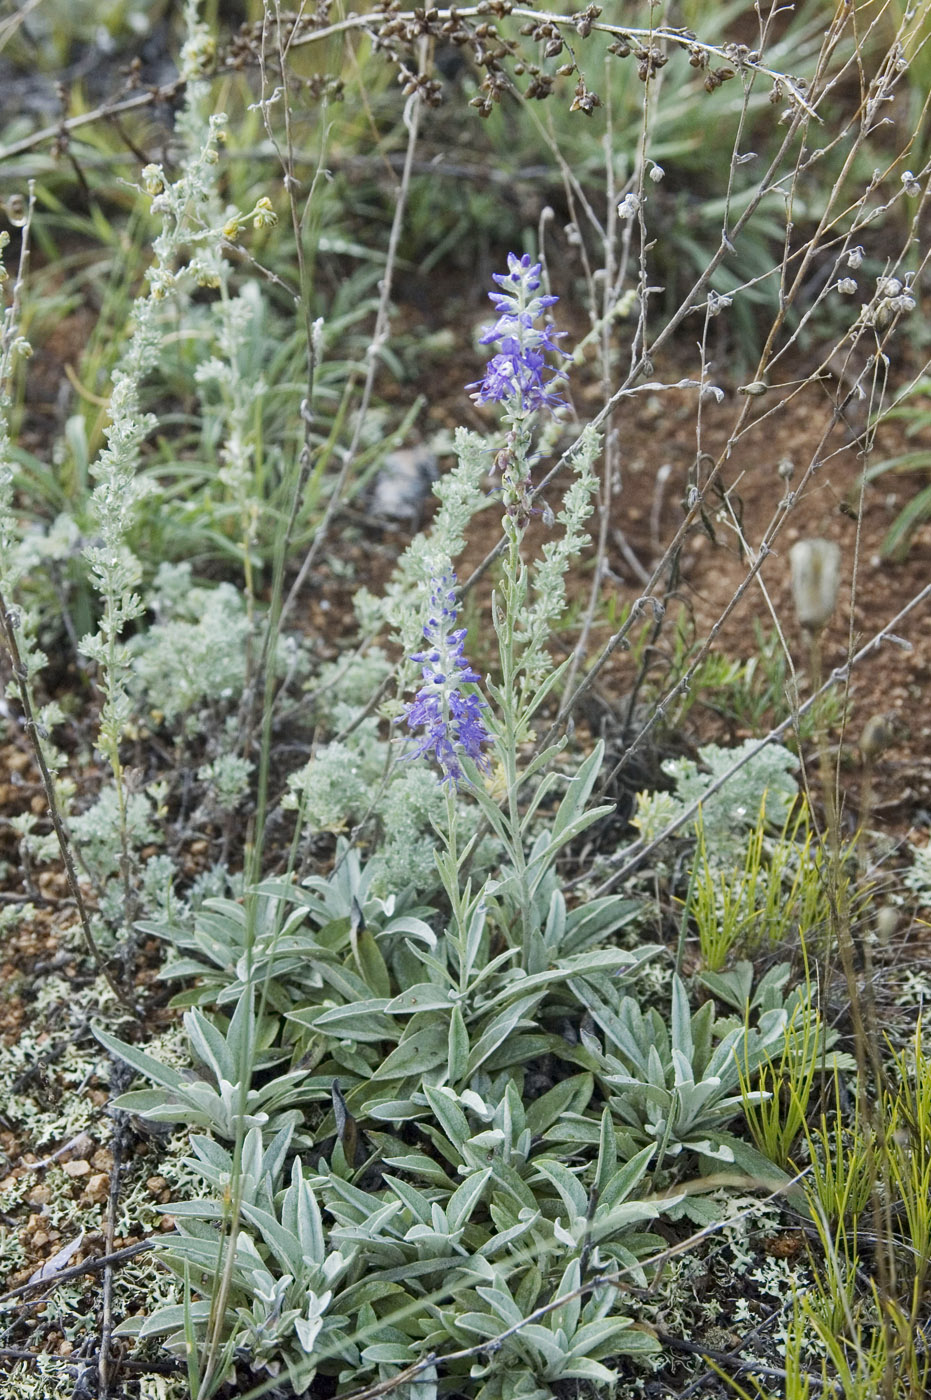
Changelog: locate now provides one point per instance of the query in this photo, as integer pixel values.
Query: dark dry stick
(106, 1320)
(87, 1266)
(20, 675)
(730, 1361)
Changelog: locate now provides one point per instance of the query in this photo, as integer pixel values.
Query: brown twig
(106, 1321)
(20, 676)
(87, 1266)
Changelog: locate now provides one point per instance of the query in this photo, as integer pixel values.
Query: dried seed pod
(815, 567)
(877, 735)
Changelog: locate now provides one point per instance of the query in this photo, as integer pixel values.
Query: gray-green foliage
(406, 1184)
(360, 779)
(97, 831)
(729, 814)
(194, 653)
(411, 1268)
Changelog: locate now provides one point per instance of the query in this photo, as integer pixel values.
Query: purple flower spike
(452, 721)
(519, 371)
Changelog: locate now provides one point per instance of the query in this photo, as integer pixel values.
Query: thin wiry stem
(634, 855)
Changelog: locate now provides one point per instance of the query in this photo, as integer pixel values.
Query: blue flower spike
(451, 720)
(519, 371)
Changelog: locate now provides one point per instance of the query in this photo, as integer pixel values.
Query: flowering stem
(513, 592)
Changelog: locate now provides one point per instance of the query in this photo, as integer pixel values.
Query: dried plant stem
(380, 335)
(635, 854)
(20, 676)
(88, 1266)
(113, 1199)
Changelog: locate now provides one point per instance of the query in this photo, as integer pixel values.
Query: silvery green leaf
(555, 929)
(488, 1140)
(163, 1320)
(421, 1051)
(537, 870)
(547, 1347)
(572, 1129)
(702, 1031)
(681, 1022)
(733, 986)
(578, 793)
(623, 1181)
(372, 964)
(483, 1324)
(159, 1106)
(682, 1070)
(582, 1369)
(634, 1342)
(138, 1060)
(250, 1162)
(571, 1190)
(773, 1025)
(623, 1028)
(309, 1226)
(717, 1151)
(196, 1210)
(414, 928)
(458, 1051)
(594, 1337)
(448, 1114)
(505, 1238)
(275, 1153)
(570, 1237)
(598, 919)
(612, 1222)
(499, 1029)
(308, 1329)
(422, 996)
(464, 1199)
(572, 1094)
(388, 1353)
(363, 1020)
(656, 1071)
(241, 1033)
(567, 1316)
(473, 938)
(396, 1110)
(500, 1300)
(416, 1202)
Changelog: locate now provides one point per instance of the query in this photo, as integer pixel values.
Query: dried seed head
(878, 734)
(815, 566)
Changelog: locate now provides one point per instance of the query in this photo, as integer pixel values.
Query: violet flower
(451, 720)
(519, 370)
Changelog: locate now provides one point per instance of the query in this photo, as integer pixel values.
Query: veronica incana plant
(457, 725)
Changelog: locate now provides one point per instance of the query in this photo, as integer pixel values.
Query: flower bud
(815, 566)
